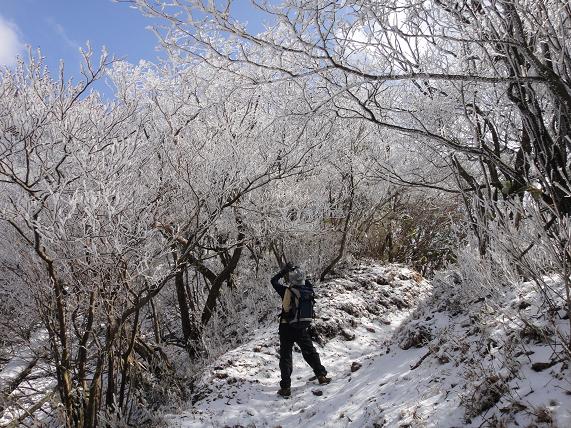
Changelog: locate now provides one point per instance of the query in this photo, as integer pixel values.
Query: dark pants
(297, 334)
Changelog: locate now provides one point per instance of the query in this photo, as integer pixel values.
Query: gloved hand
(288, 268)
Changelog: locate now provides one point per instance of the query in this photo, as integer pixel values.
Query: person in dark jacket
(294, 328)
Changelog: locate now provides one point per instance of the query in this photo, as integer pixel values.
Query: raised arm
(276, 280)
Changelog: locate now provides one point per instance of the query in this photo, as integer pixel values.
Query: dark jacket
(278, 286)
(281, 290)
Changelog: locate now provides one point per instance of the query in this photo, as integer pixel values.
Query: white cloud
(10, 43)
(60, 31)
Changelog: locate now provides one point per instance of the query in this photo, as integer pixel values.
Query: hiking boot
(284, 392)
(323, 380)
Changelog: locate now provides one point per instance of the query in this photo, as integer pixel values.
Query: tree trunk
(94, 394)
(343, 242)
(183, 306)
(126, 357)
(223, 276)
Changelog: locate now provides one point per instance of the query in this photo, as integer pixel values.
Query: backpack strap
(296, 293)
(288, 300)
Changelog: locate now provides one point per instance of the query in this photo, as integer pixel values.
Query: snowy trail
(248, 382)
(241, 389)
(421, 365)
(376, 394)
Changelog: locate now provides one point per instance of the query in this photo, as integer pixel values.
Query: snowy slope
(421, 364)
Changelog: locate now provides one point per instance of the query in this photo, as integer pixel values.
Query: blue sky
(60, 27)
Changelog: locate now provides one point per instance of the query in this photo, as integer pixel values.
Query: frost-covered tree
(109, 204)
(481, 89)
(473, 79)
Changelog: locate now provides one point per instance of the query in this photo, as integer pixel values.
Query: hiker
(295, 319)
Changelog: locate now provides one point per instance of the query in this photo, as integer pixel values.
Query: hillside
(401, 352)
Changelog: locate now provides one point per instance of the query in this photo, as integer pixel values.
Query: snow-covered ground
(26, 381)
(400, 354)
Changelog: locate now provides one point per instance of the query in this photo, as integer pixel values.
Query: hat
(297, 276)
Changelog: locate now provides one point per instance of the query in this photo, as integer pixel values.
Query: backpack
(301, 303)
